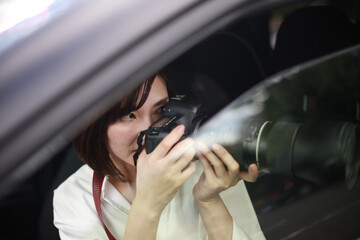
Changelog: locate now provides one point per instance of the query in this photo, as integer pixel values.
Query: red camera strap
(98, 179)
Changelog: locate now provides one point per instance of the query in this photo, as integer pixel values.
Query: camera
(181, 110)
(307, 147)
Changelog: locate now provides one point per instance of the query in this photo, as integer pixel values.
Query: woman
(167, 196)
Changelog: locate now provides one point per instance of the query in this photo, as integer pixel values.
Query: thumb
(251, 175)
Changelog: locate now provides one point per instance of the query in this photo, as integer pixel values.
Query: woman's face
(123, 134)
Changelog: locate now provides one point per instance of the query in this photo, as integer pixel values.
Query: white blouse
(76, 218)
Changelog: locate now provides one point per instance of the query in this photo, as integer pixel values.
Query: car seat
(312, 32)
(217, 70)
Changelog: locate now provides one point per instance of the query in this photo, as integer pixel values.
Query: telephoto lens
(314, 150)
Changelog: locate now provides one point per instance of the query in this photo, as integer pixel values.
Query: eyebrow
(161, 102)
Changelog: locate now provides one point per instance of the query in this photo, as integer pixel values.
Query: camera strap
(98, 179)
(140, 146)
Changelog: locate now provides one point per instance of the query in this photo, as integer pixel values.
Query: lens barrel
(313, 150)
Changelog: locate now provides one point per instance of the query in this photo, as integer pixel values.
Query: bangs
(131, 102)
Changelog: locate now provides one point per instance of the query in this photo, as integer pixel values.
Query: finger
(208, 169)
(188, 172)
(179, 149)
(251, 175)
(185, 159)
(231, 164)
(168, 142)
(216, 163)
(141, 156)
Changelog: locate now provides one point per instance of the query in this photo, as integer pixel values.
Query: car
(279, 80)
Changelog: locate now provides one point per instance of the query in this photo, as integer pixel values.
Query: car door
(66, 73)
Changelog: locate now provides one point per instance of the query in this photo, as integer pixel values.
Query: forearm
(216, 218)
(142, 223)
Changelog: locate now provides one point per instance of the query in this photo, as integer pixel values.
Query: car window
(301, 127)
(301, 123)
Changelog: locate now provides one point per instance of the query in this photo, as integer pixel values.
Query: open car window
(298, 122)
(301, 127)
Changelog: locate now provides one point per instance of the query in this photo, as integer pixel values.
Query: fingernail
(216, 146)
(181, 128)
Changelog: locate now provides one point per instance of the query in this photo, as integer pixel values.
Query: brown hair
(91, 144)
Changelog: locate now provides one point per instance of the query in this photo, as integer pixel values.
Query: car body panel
(69, 70)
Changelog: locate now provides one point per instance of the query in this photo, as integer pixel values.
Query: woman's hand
(161, 173)
(159, 176)
(221, 171)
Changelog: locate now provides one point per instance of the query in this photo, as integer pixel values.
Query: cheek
(120, 137)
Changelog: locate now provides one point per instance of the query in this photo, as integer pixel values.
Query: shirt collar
(111, 195)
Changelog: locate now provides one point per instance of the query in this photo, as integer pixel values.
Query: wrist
(216, 218)
(209, 201)
(144, 218)
(145, 209)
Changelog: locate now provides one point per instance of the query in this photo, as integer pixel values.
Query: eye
(160, 110)
(128, 117)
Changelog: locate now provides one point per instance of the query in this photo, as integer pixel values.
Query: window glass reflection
(301, 123)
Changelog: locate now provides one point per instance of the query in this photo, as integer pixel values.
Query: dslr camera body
(181, 109)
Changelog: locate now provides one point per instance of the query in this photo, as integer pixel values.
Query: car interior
(216, 71)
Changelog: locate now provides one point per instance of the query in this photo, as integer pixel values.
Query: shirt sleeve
(74, 220)
(245, 222)
(239, 233)
(74, 211)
